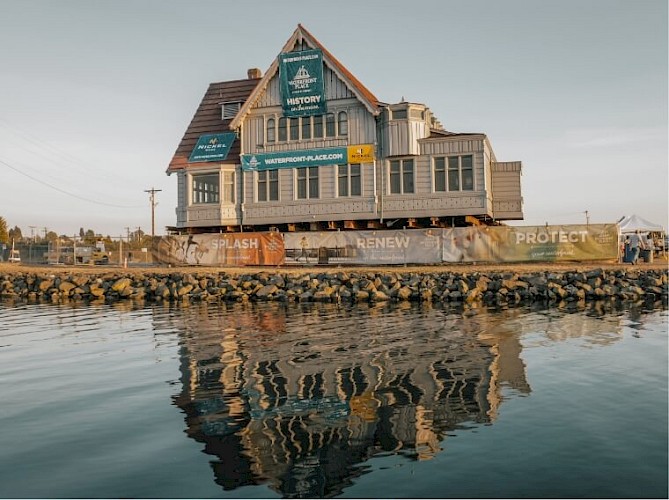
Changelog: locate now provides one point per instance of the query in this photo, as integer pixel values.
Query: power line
(97, 202)
(66, 160)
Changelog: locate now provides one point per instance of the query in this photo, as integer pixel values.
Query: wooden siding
(325, 208)
(335, 90)
(436, 205)
(400, 137)
(310, 211)
(361, 123)
(507, 199)
(182, 201)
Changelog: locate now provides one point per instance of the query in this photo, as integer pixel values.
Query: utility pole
(587, 218)
(152, 197)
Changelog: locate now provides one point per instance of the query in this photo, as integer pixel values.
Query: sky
(95, 96)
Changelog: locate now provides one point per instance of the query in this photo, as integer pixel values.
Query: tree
(16, 234)
(51, 236)
(89, 237)
(81, 233)
(4, 235)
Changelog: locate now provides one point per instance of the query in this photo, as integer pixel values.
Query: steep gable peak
(300, 40)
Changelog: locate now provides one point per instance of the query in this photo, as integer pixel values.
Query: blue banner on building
(302, 84)
(293, 159)
(212, 147)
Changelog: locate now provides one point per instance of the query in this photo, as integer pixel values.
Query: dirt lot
(659, 263)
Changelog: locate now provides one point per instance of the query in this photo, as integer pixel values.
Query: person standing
(636, 245)
(304, 244)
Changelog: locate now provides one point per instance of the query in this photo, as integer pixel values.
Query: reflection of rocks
(301, 401)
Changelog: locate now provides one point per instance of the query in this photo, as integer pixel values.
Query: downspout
(241, 181)
(379, 154)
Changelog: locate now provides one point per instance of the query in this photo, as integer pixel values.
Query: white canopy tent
(632, 223)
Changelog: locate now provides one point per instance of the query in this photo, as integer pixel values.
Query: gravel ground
(659, 263)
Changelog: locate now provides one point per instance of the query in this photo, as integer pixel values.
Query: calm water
(309, 401)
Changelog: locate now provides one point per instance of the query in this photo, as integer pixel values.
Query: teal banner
(212, 147)
(302, 84)
(292, 159)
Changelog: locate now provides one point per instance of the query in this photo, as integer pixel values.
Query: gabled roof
(299, 35)
(207, 120)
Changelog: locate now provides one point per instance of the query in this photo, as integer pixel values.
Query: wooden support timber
(469, 219)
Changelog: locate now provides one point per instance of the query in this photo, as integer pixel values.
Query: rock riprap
(342, 286)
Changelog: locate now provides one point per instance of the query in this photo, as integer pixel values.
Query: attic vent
(230, 109)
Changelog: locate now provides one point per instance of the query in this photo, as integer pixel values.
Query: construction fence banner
(418, 246)
(487, 244)
(229, 249)
(531, 243)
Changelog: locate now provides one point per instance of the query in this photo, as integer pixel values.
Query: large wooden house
(307, 146)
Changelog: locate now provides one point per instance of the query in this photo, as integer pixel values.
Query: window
(342, 123)
(348, 180)
(401, 176)
(440, 174)
(229, 187)
(318, 126)
(306, 127)
(230, 109)
(460, 173)
(330, 125)
(268, 185)
(271, 130)
(294, 129)
(205, 188)
(307, 183)
(399, 114)
(282, 129)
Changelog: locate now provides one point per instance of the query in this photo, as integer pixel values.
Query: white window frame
(460, 177)
(308, 178)
(349, 176)
(401, 161)
(202, 194)
(267, 183)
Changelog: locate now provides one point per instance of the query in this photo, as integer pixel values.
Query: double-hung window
(307, 183)
(342, 123)
(206, 188)
(460, 173)
(401, 176)
(271, 130)
(294, 129)
(228, 187)
(330, 125)
(283, 136)
(349, 180)
(306, 127)
(440, 173)
(268, 185)
(453, 173)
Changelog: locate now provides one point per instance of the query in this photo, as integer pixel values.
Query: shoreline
(496, 285)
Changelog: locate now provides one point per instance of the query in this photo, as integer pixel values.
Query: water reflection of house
(302, 401)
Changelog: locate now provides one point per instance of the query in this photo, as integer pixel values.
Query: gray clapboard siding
(507, 196)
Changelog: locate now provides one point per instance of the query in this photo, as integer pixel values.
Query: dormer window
(399, 114)
(230, 109)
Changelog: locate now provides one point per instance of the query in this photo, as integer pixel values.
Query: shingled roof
(207, 120)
